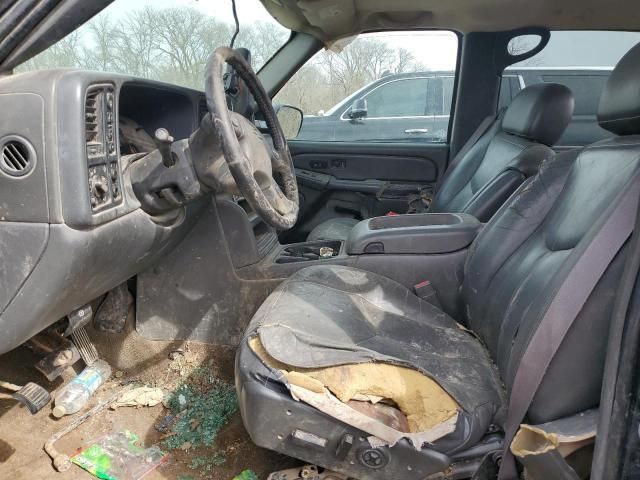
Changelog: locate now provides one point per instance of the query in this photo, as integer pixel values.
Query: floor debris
(142, 362)
(200, 413)
(117, 456)
(140, 397)
(307, 472)
(246, 475)
(60, 460)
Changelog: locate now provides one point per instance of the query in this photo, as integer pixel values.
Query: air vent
(18, 156)
(92, 112)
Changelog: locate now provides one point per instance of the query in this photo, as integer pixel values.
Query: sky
(248, 10)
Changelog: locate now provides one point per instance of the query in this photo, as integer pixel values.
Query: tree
(184, 39)
(101, 53)
(173, 45)
(262, 40)
(134, 42)
(67, 52)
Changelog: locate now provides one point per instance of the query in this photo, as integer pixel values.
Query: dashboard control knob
(98, 190)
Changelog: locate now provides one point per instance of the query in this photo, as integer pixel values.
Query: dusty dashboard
(71, 227)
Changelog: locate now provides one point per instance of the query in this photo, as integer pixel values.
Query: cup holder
(306, 252)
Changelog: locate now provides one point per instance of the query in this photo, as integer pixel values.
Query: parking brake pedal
(31, 395)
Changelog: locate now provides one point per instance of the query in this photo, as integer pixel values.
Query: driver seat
(333, 317)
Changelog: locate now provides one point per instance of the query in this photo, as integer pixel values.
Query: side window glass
(381, 87)
(580, 60)
(398, 98)
(435, 97)
(586, 90)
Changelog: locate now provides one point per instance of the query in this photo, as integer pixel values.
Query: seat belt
(561, 314)
(483, 128)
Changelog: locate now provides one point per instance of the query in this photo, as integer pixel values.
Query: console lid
(424, 233)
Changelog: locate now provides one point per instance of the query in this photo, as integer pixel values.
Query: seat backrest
(508, 153)
(524, 253)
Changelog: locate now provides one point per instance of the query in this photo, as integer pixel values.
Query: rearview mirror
(290, 119)
(358, 109)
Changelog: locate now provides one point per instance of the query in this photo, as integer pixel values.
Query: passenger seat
(509, 152)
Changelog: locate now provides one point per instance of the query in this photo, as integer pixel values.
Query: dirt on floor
(168, 365)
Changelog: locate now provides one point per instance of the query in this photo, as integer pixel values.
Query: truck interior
(450, 306)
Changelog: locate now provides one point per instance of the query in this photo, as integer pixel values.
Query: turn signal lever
(163, 140)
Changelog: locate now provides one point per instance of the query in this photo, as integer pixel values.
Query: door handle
(416, 130)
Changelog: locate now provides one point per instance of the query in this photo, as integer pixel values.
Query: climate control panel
(103, 166)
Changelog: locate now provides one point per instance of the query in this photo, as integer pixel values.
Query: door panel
(360, 180)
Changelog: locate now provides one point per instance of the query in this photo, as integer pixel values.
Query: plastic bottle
(77, 392)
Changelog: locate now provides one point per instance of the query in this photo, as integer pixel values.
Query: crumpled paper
(139, 397)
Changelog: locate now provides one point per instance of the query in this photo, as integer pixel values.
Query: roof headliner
(329, 20)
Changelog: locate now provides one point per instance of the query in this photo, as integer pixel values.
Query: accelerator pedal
(87, 350)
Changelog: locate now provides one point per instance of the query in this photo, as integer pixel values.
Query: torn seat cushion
(325, 316)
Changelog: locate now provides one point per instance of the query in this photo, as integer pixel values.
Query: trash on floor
(139, 397)
(75, 395)
(118, 456)
(246, 475)
(61, 461)
(308, 472)
(165, 423)
(201, 411)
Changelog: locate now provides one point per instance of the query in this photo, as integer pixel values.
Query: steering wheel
(250, 159)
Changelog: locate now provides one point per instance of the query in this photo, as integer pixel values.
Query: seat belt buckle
(426, 292)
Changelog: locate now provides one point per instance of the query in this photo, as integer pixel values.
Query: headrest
(540, 112)
(619, 110)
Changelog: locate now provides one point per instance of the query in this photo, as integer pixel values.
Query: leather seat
(334, 315)
(508, 153)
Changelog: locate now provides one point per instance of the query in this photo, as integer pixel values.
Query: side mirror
(290, 119)
(358, 109)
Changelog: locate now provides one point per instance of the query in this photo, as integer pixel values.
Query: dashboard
(71, 227)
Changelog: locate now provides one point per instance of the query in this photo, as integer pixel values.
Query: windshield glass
(165, 40)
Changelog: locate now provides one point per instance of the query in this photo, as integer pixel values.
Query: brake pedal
(31, 395)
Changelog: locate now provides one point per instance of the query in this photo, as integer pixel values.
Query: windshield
(165, 40)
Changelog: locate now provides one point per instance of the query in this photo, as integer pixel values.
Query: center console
(310, 251)
(231, 260)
